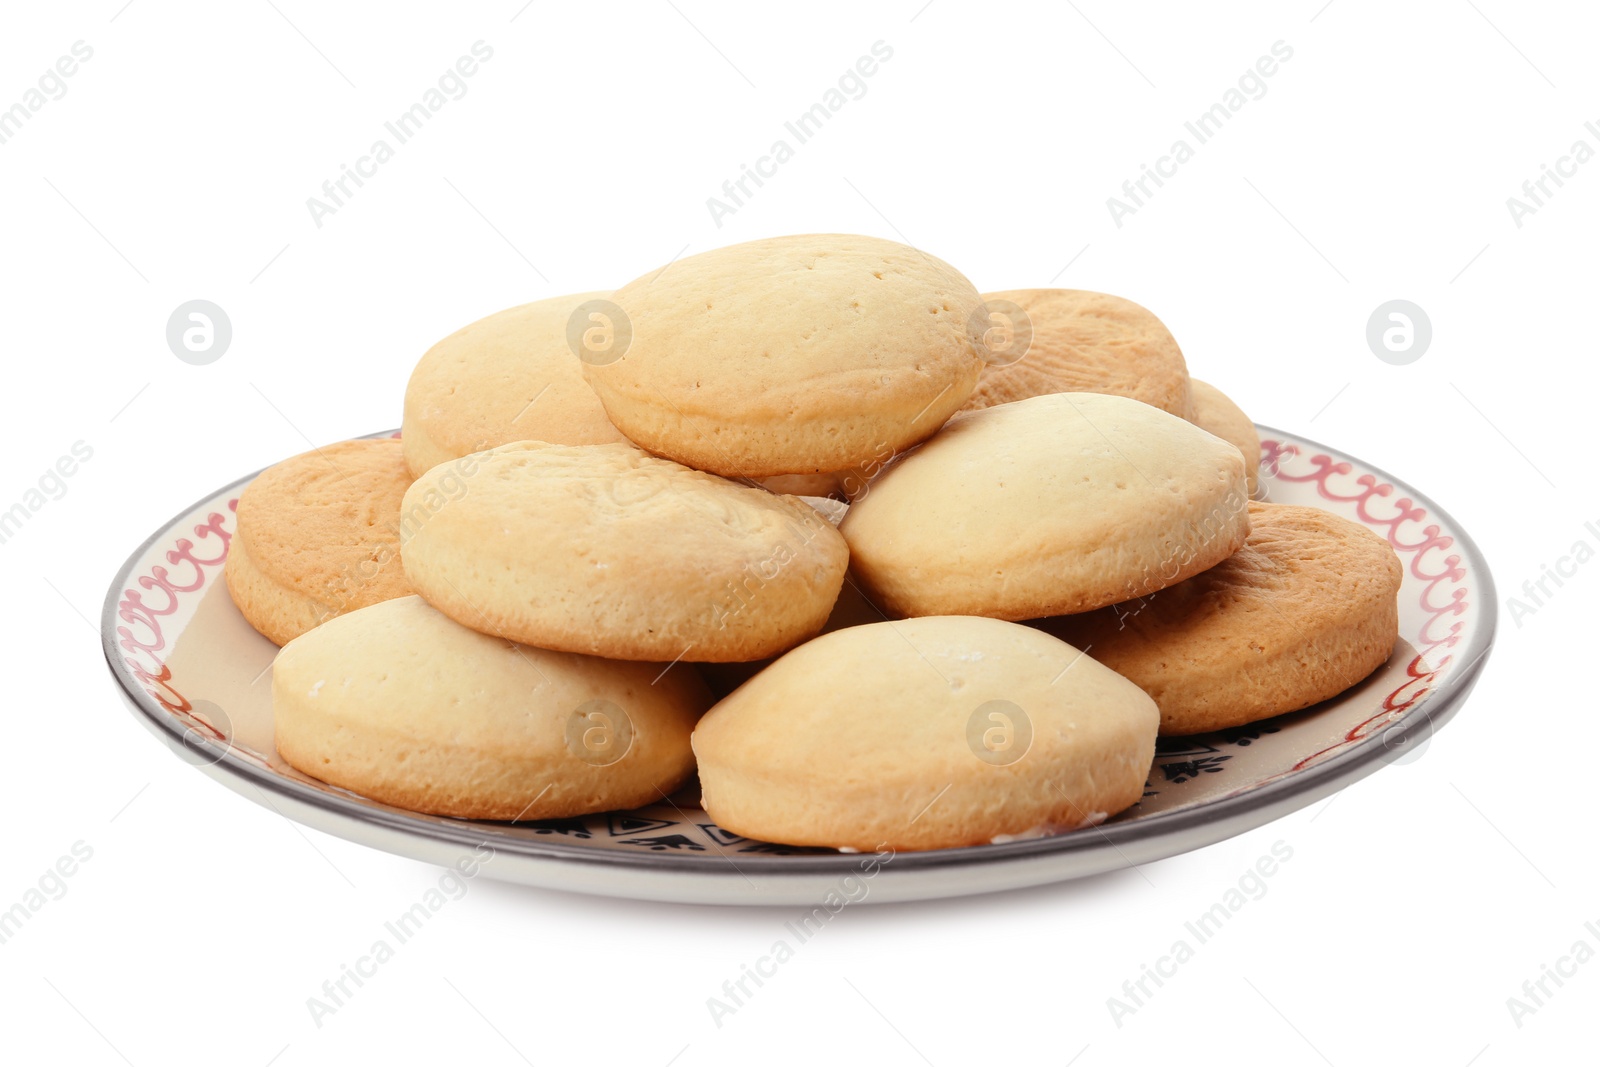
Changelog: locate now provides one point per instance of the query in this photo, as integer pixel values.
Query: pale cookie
(931, 733)
(400, 704)
(510, 377)
(793, 355)
(1047, 506)
(1303, 612)
(319, 535)
(1071, 340)
(608, 550)
(1215, 413)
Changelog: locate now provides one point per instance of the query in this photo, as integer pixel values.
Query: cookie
(1070, 340)
(319, 535)
(1056, 504)
(610, 551)
(510, 377)
(399, 703)
(930, 733)
(1303, 612)
(794, 355)
(1216, 414)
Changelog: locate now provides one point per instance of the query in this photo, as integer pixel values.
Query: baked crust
(1304, 611)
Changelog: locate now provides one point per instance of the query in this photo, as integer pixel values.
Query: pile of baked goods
(887, 561)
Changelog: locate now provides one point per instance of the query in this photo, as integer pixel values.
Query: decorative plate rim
(1433, 709)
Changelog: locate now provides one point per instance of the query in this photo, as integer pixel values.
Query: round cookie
(401, 704)
(1056, 504)
(319, 535)
(510, 377)
(610, 551)
(931, 733)
(1215, 413)
(794, 355)
(1075, 341)
(1303, 612)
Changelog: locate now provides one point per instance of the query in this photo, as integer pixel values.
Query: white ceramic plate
(196, 673)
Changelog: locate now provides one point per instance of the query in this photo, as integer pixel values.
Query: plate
(197, 675)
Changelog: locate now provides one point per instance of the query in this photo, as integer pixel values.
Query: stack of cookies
(887, 561)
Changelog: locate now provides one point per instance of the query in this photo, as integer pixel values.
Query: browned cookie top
(1083, 342)
(1300, 568)
(1303, 611)
(326, 523)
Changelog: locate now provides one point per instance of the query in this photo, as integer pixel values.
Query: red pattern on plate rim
(1424, 548)
(146, 652)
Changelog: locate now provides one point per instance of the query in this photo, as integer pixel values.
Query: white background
(1377, 166)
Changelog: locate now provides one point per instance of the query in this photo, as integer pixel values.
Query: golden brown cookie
(319, 535)
(793, 355)
(610, 551)
(929, 733)
(510, 377)
(1074, 341)
(1215, 413)
(401, 704)
(1303, 612)
(1058, 503)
